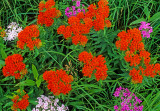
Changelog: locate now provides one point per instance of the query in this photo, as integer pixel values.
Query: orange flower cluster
(47, 13)
(14, 66)
(99, 15)
(20, 102)
(82, 23)
(130, 40)
(58, 81)
(136, 55)
(93, 63)
(2, 32)
(77, 28)
(29, 36)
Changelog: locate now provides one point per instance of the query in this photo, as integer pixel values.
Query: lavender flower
(146, 29)
(12, 31)
(130, 101)
(49, 104)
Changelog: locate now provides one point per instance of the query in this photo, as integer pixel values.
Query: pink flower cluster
(145, 29)
(130, 101)
(74, 10)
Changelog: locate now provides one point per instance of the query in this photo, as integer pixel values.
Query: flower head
(146, 29)
(129, 101)
(12, 31)
(47, 13)
(93, 63)
(58, 81)
(14, 66)
(20, 102)
(29, 36)
(49, 104)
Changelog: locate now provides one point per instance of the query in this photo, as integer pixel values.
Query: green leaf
(35, 72)
(2, 63)
(33, 102)
(146, 12)
(4, 55)
(9, 96)
(38, 82)
(8, 104)
(156, 16)
(137, 21)
(26, 83)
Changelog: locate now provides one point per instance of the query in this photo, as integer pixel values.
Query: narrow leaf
(38, 82)
(2, 63)
(4, 55)
(26, 83)
(35, 72)
(156, 16)
(137, 21)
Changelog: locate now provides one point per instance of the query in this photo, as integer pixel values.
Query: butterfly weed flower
(58, 81)
(76, 29)
(20, 101)
(2, 32)
(81, 23)
(29, 37)
(136, 55)
(14, 66)
(93, 63)
(47, 13)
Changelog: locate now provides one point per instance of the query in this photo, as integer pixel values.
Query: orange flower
(136, 77)
(47, 13)
(107, 23)
(149, 71)
(79, 39)
(130, 40)
(14, 66)
(20, 103)
(144, 54)
(102, 3)
(91, 11)
(61, 29)
(41, 6)
(80, 15)
(49, 4)
(58, 81)
(85, 57)
(157, 68)
(23, 104)
(93, 63)
(82, 23)
(135, 60)
(98, 23)
(27, 35)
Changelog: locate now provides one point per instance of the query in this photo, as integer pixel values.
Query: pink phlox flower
(115, 107)
(78, 3)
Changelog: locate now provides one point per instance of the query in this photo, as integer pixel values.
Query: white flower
(56, 101)
(33, 109)
(46, 105)
(12, 31)
(62, 108)
(49, 104)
